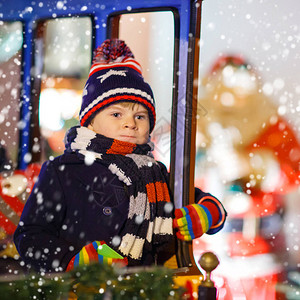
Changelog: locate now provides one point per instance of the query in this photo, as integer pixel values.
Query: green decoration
(94, 282)
(106, 251)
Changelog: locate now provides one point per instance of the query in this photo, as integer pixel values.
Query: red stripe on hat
(117, 65)
(117, 98)
(8, 226)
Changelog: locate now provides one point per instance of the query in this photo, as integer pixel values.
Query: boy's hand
(192, 221)
(96, 252)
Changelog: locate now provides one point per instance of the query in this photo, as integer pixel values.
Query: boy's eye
(116, 115)
(141, 117)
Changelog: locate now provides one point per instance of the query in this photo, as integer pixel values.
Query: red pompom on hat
(112, 50)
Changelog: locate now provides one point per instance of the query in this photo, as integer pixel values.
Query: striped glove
(192, 221)
(96, 252)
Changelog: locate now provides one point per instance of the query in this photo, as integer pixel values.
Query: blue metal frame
(30, 12)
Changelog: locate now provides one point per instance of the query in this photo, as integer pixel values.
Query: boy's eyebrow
(142, 110)
(114, 106)
(118, 106)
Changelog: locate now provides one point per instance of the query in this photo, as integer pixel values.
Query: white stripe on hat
(130, 63)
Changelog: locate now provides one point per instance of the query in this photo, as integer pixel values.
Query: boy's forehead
(128, 105)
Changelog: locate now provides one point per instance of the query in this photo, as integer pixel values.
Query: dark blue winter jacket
(72, 205)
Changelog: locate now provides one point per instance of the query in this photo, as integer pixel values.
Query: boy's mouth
(128, 138)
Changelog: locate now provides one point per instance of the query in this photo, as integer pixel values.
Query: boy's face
(125, 123)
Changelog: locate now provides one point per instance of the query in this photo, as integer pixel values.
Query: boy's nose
(129, 123)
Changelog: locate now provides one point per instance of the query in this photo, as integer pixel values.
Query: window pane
(11, 40)
(67, 59)
(150, 36)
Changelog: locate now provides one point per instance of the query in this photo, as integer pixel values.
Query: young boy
(106, 199)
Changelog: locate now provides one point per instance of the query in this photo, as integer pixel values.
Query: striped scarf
(149, 220)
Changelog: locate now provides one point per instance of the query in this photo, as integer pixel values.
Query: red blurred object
(241, 246)
(252, 288)
(283, 142)
(188, 294)
(14, 191)
(261, 204)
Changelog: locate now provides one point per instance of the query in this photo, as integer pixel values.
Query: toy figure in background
(250, 154)
(15, 187)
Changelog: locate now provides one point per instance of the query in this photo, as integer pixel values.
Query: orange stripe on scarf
(119, 147)
(157, 191)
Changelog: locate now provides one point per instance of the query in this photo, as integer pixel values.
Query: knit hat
(115, 76)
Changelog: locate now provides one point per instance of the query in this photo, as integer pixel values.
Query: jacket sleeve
(215, 207)
(37, 235)
(212, 203)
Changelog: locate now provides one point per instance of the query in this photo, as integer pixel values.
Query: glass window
(67, 44)
(11, 40)
(150, 36)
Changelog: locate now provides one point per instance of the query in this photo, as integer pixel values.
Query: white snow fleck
(211, 26)
(39, 197)
(268, 89)
(139, 219)
(27, 157)
(116, 240)
(168, 207)
(282, 110)
(89, 158)
(59, 5)
(58, 207)
(278, 83)
(55, 263)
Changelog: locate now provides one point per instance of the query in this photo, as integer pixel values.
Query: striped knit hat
(115, 76)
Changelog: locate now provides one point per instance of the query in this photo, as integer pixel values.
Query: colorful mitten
(191, 221)
(96, 252)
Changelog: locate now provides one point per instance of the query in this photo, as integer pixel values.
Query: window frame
(36, 81)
